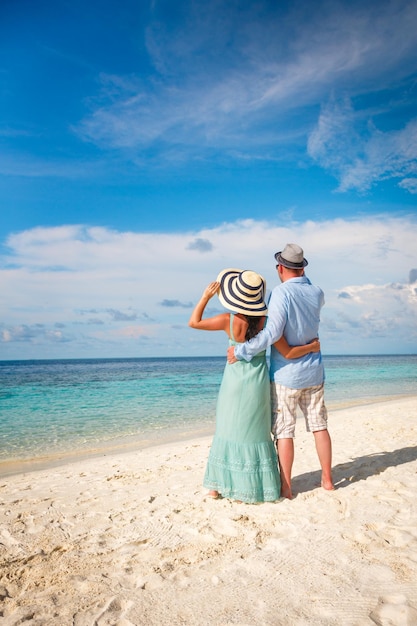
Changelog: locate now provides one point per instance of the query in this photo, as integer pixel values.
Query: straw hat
(242, 292)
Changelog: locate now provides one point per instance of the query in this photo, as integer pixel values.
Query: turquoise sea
(69, 407)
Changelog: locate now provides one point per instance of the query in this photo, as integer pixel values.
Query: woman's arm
(294, 352)
(218, 322)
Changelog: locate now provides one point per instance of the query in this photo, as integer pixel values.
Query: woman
(242, 463)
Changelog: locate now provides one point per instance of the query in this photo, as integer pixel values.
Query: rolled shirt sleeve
(273, 330)
(294, 311)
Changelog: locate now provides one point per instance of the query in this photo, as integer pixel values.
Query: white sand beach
(131, 538)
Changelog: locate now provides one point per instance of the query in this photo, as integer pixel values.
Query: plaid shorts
(284, 409)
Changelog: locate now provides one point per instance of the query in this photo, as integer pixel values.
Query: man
(293, 311)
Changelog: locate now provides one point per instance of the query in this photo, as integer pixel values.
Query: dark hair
(253, 326)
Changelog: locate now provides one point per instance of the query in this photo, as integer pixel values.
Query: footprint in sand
(224, 526)
(399, 537)
(7, 540)
(111, 614)
(393, 611)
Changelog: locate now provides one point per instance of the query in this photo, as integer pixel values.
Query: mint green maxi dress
(242, 463)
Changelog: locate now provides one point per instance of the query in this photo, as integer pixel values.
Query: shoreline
(13, 466)
(131, 538)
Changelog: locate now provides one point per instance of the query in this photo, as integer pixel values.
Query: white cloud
(410, 184)
(138, 288)
(359, 153)
(379, 316)
(207, 94)
(246, 83)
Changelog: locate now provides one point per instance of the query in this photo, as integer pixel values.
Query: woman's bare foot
(213, 494)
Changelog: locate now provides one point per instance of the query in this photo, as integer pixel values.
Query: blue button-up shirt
(293, 311)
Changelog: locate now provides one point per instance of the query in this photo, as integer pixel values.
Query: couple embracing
(242, 463)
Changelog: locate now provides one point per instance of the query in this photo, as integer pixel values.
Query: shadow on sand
(359, 468)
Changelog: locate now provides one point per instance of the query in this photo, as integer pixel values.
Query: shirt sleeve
(270, 334)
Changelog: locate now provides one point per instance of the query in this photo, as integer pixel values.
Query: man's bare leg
(324, 451)
(285, 448)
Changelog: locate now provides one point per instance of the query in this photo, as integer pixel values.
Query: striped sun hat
(242, 292)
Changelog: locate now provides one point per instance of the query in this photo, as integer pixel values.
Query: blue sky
(145, 146)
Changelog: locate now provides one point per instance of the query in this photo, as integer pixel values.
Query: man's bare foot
(328, 485)
(286, 493)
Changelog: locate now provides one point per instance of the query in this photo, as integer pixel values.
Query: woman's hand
(217, 322)
(314, 345)
(211, 290)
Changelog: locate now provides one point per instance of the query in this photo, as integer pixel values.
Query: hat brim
(233, 300)
(289, 264)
